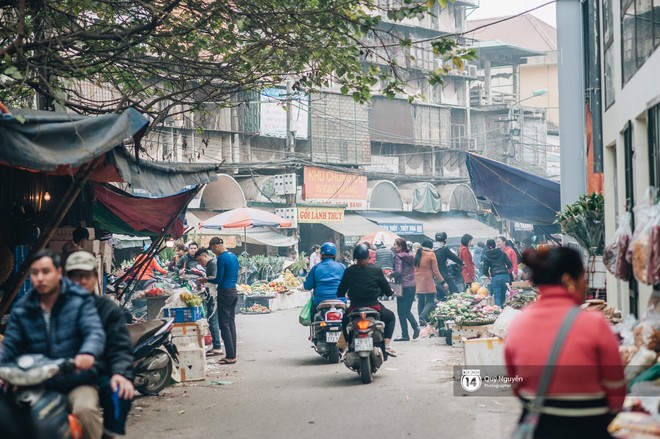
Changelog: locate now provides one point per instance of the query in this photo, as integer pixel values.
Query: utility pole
(572, 135)
(290, 151)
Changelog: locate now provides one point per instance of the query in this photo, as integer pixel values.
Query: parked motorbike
(366, 343)
(152, 366)
(46, 410)
(326, 328)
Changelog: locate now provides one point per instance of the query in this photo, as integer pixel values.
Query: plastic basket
(182, 315)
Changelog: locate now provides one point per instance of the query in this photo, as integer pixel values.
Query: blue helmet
(329, 249)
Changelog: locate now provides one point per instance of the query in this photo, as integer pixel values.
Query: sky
(500, 8)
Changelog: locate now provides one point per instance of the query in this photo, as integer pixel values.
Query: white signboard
(273, 113)
(384, 164)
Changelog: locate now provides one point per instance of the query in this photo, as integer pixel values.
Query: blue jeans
(115, 410)
(212, 308)
(498, 288)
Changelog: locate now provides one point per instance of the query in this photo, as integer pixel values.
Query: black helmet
(361, 251)
(441, 236)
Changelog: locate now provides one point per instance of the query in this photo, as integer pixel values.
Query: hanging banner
(332, 187)
(317, 215)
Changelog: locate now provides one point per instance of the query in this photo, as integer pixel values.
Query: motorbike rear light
(333, 316)
(323, 324)
(363, 325)
(75, 427)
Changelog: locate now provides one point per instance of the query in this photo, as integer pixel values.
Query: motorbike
(326, 329)
(366, 343)
(47, 411)
(152, 365)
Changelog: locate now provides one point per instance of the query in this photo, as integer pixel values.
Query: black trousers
(404, 310)
(453, 288)
(227, 298)
(425, 304)
(386, 316)
(585, 427)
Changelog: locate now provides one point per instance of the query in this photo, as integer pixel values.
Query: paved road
(281, 388)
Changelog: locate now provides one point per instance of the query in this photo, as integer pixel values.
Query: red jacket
(511, 253)
(468, 265)
(588, 366)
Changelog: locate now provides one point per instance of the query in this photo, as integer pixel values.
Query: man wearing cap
(115, 371)
(225, 279)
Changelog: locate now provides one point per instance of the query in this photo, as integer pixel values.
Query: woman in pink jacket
(426, 269)
(587, 386)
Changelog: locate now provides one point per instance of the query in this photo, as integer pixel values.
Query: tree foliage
(167, 56)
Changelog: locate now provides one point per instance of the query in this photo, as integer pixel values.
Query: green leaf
(430, 3)
(344, 89)
(13, 72)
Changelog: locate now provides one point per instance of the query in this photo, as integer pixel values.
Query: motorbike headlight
(30, 377)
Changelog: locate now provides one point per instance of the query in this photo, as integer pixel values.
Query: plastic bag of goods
(643, 246)
(614, 256)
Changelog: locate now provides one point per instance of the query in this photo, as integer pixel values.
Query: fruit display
(519, 301)
(256, 309)
(290, 280)
(192, 300)
(278, 286)
(466, 309)
(244, 289)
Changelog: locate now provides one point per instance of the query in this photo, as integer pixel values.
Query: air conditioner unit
(472, 70)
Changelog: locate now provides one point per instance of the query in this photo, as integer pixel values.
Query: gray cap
(80, 261)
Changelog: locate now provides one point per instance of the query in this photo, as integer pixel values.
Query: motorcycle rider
(58, 319)
(384, 255)
(115, 371)
(324, 277)
(365, 283)
(442, 253)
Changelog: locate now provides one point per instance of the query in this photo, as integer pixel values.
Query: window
(630, 204)
(654, 145)
(640, 32)
(608, 80)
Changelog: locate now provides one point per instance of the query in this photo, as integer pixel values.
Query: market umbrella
(384, 236)
(244, 217)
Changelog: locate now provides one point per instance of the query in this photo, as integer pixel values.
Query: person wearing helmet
(325, 276)
(365, 283)
(442, 253)
(384, 255)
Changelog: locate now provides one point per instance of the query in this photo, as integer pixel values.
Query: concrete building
(631, 122)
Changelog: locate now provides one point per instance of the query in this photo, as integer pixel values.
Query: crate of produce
(181, 315)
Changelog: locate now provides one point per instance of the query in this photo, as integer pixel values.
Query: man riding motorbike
(325, 276)
(365, 283)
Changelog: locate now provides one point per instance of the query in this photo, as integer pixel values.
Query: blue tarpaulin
(514, 194)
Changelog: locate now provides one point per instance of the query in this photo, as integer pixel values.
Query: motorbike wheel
(333, 355)
(154, 388)
(365, 370)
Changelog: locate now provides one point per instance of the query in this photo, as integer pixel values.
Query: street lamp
(517, 131)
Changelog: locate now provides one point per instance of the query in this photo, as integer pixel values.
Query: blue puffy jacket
(324, 279)
(75, 328)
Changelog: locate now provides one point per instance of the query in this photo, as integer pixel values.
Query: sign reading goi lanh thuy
(332, 187)
(320, 214)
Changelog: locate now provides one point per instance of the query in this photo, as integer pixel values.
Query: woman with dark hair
(426, 269)
(404, 275)
(587, 384)
(467, 271)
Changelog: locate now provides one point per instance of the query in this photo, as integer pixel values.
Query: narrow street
(282, 388)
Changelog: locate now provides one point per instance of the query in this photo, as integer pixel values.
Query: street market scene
(370, 218)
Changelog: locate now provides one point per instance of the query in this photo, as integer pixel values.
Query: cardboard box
(488, 352)
(191, 367)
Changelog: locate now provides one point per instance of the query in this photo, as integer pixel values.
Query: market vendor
(188, 261)
(145, 275)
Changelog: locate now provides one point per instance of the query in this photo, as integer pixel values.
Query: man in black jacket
(58, 320)
(115, 364)
(442, 253)
(496, 265)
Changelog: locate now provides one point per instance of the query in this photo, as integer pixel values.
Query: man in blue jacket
(324, 278)
(59, 320)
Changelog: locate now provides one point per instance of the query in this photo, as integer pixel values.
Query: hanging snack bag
(614, 256)
(643, 213)
(653, 265)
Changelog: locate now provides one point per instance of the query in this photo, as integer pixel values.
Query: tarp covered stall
(384, 195)
(426, 198)
(515, 194)
(458, 197)
(455, 226)
(223, 194)
(353, 227)
(119, 212)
